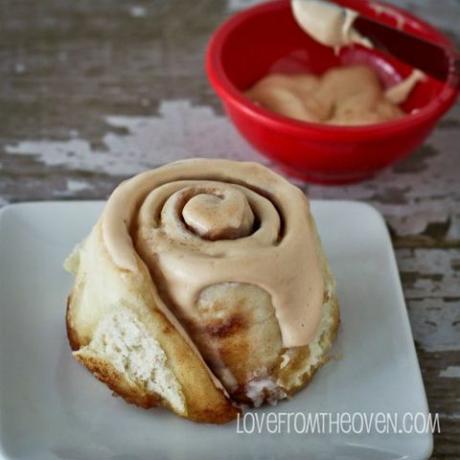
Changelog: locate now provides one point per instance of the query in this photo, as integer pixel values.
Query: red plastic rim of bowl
(225, 89)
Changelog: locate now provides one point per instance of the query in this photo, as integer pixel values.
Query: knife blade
(439, 61)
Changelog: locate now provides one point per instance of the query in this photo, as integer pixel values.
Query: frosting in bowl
(350, 95)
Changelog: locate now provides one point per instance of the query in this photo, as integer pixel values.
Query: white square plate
(52, 408)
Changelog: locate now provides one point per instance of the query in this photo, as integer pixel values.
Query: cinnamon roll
(203, 287)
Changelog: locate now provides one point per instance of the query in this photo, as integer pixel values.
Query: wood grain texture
(92, 92)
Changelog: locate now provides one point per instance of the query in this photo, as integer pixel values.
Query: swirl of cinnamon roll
(203, 277)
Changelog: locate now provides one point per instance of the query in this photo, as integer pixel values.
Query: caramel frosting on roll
(199, 223)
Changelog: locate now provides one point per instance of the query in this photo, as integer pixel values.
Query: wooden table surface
(93, 92)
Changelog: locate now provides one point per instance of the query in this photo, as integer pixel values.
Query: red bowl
(265, 39)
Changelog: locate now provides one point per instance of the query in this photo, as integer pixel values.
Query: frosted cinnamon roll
(202, 287)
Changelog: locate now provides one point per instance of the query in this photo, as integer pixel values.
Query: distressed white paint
(436, 270)
(443, 14)
(19, 68)
(62, 56)
(433, 296)
(428, 261)
(449, 416)
(427, 196)
(179, 131)
(77, 185)
(137, 11)
(236, 5)
(452, 372)
(73, 187)
(435, 323)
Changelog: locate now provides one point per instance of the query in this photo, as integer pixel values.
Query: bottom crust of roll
(292, 378)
